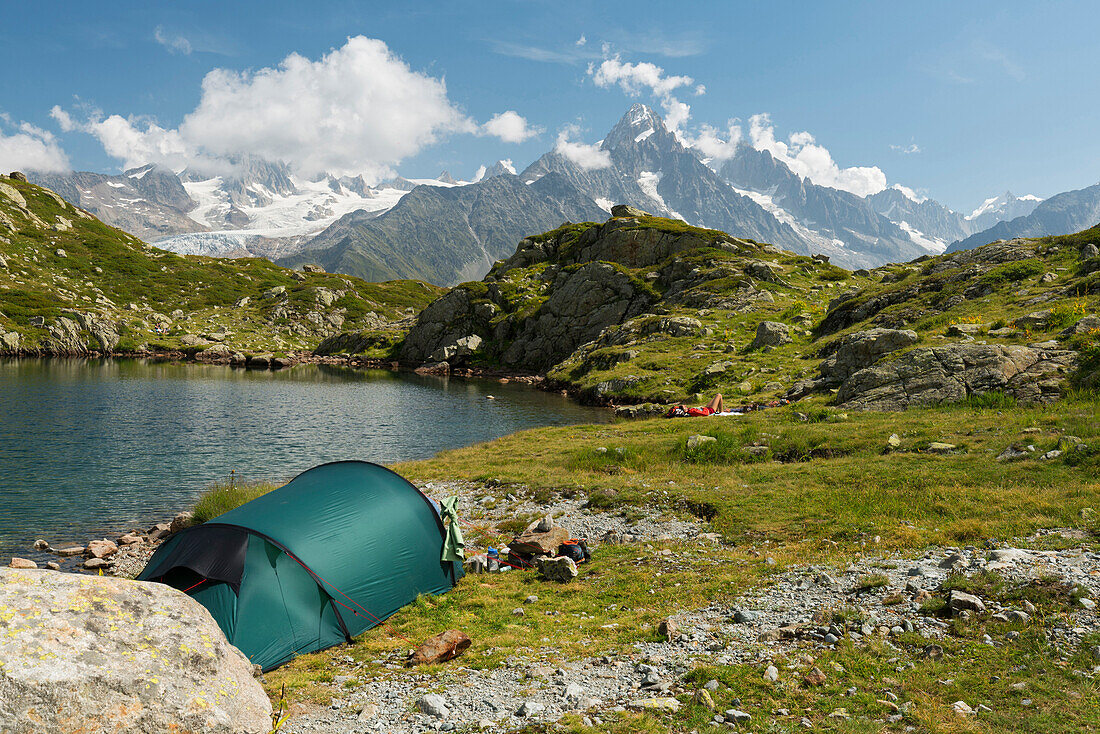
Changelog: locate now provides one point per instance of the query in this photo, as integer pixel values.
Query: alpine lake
(91, 448)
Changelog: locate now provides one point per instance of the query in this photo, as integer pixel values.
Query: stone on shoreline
(180, 522)
(100, 549)
(17, 562)
(159, 531)
(96, 563)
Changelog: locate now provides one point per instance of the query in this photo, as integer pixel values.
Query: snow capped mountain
(1002, 208)
(838, 223)
(149, 201)
(924, 220)
(499, 168)
(645, 165)
(268, 211)
(262, 208)
(1069, 211)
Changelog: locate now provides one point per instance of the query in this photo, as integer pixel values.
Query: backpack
(576, 549)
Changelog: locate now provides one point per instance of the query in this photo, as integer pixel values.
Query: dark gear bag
(576, 549)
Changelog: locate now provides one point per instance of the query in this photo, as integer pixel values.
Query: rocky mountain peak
(757, 170)
(640, 123)
(500, 168)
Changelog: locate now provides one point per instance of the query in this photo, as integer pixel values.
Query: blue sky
(958, 101)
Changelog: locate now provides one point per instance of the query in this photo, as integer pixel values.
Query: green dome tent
(311, 564)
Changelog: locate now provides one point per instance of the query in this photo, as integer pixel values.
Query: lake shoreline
(68, 528)
(285, 360)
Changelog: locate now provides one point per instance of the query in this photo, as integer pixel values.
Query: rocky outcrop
(620, 240)
(100, 654)
(853, 352)
(64, 338)
(356, 342)
(460, 350)
(931, 376)
(1086, 325)
(959, 273)
(583, 303)
(105, 336)
(72, 335)
(444, 322)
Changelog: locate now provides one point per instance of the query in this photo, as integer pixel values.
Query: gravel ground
(480, 504)
(778, 622)
(785, 619)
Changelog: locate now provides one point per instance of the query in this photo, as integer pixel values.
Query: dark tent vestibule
(311, 564)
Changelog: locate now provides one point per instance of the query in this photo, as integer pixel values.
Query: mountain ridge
(261, 208)
(1069, 211)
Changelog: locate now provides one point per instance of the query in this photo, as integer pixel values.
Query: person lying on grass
(714, 406)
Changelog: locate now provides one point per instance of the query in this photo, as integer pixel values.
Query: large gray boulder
(10, 342)
(771, 334)
(625, 210)
(934, 375)
(101, 654)
(852, 352)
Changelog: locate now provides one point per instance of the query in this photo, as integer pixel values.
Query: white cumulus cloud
(636, 78)
(26, 147)
(804, 156)
(588, 157)
(511, 127)
(716, 145)
(357, 110)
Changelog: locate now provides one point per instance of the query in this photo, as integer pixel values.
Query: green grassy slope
(57, 261)
(920, 296)
(719, 283)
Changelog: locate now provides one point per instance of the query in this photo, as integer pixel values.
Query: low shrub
(607, 460)
(993, 400)
(726, 448)
(1014, 272)
(225, 496)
